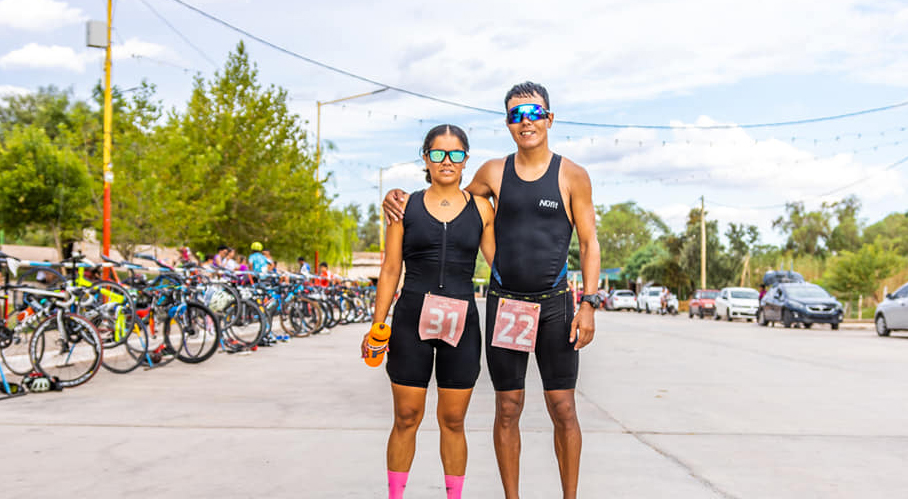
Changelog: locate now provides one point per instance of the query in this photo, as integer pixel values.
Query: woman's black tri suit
(532, 235)
(439, 258)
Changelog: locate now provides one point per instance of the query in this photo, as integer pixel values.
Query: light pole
(318, 138)
(94, 38)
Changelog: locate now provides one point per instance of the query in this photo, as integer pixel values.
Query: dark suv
(799, 302)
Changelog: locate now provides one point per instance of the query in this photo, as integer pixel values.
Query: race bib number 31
(442, 318)
(516, 324)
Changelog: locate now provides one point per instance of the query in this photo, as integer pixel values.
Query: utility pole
(108, 125)
(702, 243)
(318, 138)
(98, 36)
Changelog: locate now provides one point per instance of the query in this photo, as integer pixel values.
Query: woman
(435, 319)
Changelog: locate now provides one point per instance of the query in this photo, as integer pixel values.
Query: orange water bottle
(376, 343)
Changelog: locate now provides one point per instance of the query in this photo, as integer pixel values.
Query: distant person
(221, 255)
(230, 260)
(258, 261)
(208, 262)
(762, 291)
(304, 265)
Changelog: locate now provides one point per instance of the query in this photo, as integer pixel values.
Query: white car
(621, 299)
(892, 313)
(737, 303)
(649, 300)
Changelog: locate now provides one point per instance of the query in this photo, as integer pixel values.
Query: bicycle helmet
(257, 246)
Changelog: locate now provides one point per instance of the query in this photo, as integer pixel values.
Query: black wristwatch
(594, 300)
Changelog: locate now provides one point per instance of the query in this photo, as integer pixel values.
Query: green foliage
(48, 108)
(832, 228)
(852, 274)
(640, 259)
(807, 230)
(368, 231)
(623, 228)
(240, 171)
(846, 235)
(483, 270)
(41, 184)
(890, 232)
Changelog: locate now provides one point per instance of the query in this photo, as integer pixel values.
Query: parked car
(649, 300)
(733, 303)
(799, 302)
(703, 303)
(620, 299)
(892, 313)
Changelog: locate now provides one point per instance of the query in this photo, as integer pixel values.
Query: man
(257, 260)
(540, 198)
(304, 265)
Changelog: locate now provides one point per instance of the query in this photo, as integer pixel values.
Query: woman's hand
(364, 347)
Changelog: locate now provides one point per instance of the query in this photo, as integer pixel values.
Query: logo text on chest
(547, 203)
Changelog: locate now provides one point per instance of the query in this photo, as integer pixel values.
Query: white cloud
(38, 56)
(135, 47)
(620, 51)
(39, 15)
(6, 90)
(729, 160)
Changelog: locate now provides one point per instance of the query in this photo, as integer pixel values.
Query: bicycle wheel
(160, 351)
(125, 348)
(15, 354)
(199, 333)
(250, 325)
(110, 303)
(306, 317)
(222, 299)
(66, 346)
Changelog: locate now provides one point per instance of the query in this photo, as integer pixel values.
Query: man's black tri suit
(532, 231)
(440, 258)
(532, 235)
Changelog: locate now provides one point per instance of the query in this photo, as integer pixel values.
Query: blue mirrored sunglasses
(532, 112)
(438, 155)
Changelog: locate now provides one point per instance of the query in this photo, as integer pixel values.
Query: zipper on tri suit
(444, 247)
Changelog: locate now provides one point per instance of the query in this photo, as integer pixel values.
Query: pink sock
(454, 486)
(397, 481)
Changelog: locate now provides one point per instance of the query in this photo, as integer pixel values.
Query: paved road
(670, 407)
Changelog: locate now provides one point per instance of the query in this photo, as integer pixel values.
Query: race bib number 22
(442, 318)
(516, 324)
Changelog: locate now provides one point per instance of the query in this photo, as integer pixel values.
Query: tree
(890, 232)
(42, 185)
(368, 232)
(237, 169)
(639, 259)
(48, 108)
(719, 271)
(624, 228)
(846, 236)
(852, 274)
(807, 231)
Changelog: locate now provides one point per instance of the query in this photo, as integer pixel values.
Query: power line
(162, 62)
(181, 35)
(490, 111)
(328, 67)
(892, 166)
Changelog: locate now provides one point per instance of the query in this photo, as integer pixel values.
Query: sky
(683, 66)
